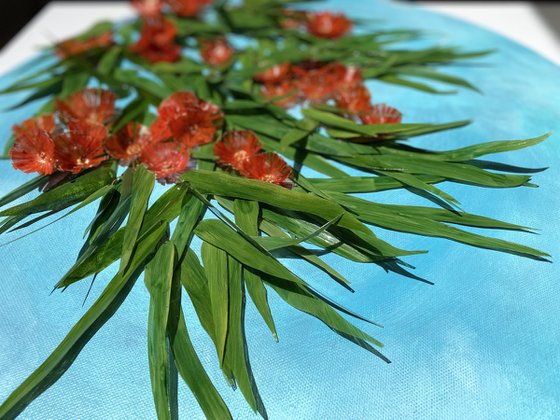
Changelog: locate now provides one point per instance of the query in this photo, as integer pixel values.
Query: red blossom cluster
(323, 24)
(242, 152)
(315, 82)
(157, 41)
(77, 136)
(70, 140)
(155, 8)
(76, 46)
(216, 52)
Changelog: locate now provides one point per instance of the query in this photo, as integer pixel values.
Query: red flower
(127, 144)
(180, 102)
(81, 147)
(167, 160)
(346, 77)
(216, 52)
(193, 128)
(315, 88)
(283, 94)
(95, 106)
(355, 101)
(187, 8)
(267, 167)
(76, 46)
(382, 114)
(157, 41)
(148, 8)
(46, 123)
(275, 74)
(236, 147)
(187, 119)
(329, 25)
(33, 150)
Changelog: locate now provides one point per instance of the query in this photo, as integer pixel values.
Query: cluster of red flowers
(216, 52)
(323, 24)
(76, 46)
(77, 136)
(315, 82)
(242, 151)
(157, 41)
(70, 140)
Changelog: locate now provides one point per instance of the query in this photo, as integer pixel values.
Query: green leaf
(74, 82)
(232, 186)
(100, 312)
(236, 352)
(236, 187)
(387, 218)
(373, 130)
(224, 238)
(142, 186)
(164, 210)
(273, 243)
(195, 376)
(432, 74)
(365, 184)
(216, 268)
(158, 279)
(306, 127)
(247, 218)
(66, 194)
(194, 281)
(109, 60)
(192, 212)
(478, 150)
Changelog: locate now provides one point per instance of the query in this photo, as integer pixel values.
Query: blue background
(481, 343)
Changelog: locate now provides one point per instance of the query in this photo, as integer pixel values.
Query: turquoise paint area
(482, 343)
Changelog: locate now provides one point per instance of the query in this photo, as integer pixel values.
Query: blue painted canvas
(482, 343)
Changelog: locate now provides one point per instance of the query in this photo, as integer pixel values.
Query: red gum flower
(216, 52)
(355, 101)
(283, 94)
(382, 114)
(127, 144)
(275, 74)
(346, 77)
(236, 147)
(46, 123)
(157, 42)
(95, 106)
(267, 167)
(81, 147)
(329, 25)
(148, 8)
(187, 8)
(193, 128)
(180, 102)
(33, 151)
(75, 46)
(166, 160)
(187, 119)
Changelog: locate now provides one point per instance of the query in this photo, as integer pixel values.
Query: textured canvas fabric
(482, 343)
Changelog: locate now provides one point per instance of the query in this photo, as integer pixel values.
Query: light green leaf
(158, 279)
(247, 218)
(216, 268)
(142, 186)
